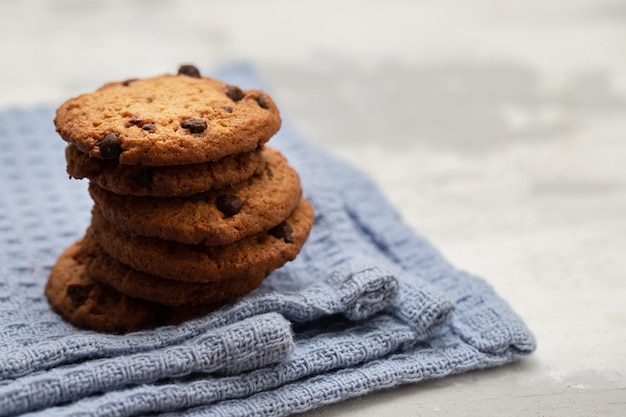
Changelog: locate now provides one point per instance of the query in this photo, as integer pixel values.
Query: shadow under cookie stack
(191, 209)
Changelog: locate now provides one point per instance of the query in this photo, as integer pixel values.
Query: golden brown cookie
(216, 217)
(166, 181)
(137, 284)
(250, 258)
(86, 303)
(168, 120)
(90, 304)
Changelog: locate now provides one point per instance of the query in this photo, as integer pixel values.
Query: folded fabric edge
(343, 344)
(392, 371)
(252, 343)
(482, 318)
(427, 306)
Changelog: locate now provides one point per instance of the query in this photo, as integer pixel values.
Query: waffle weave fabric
(367, 305)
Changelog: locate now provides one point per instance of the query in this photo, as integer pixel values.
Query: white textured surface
(496, 128)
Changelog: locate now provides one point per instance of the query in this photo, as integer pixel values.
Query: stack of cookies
(191, 209)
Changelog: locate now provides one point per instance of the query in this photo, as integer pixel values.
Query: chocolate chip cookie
(191, 210)
(86, 303)
(91, 304)
(165, 181)
(168, 120)
(137, 284)
(216, 217)
(250, 258)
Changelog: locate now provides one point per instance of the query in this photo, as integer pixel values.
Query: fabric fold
(323, 346)
(252, 343)
(367, 291)
(330, 188)
(478, 320)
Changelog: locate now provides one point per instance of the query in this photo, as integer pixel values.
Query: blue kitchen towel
(370, 302)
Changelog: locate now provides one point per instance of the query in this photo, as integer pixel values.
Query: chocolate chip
(133, 121)
(270, 173)
(229, 204)
(148, 127)
(127, 82)
(234, 93)
(194, 125)
(282, 231)
(110, 147)
(143, 179)
(228, 109)
(78, 294)
(262, 102)
(189, 70)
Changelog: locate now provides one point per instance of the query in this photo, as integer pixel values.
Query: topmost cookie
(168, 120)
